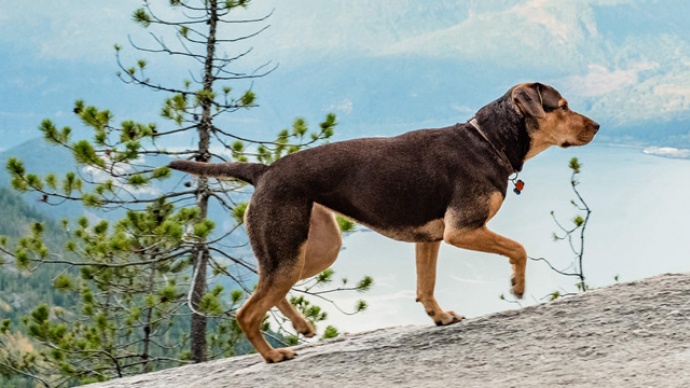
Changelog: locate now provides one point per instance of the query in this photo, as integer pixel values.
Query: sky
(624, 62)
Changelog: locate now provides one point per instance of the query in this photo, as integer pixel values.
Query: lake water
(640, 226)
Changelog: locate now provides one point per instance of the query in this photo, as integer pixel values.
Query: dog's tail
(248, 172)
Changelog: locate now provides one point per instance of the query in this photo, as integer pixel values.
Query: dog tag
(519, 186)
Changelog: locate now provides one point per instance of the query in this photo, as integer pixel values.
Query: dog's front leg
(484, 240)
(427, 254)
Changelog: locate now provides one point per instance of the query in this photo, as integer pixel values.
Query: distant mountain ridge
(388, 68)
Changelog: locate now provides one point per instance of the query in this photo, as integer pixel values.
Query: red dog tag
(519, 185)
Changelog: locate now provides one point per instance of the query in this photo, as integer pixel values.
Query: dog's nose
(596, 126)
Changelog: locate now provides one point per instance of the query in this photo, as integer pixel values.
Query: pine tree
(142, 279)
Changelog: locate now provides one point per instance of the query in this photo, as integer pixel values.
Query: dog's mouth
(587, 138)
(582, 139)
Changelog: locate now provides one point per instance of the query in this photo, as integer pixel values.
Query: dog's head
(549, 119)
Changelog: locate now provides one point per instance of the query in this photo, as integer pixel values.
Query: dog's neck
(506, 132)
(473, 122)
(506, 146)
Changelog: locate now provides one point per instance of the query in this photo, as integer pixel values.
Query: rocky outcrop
(627, 335)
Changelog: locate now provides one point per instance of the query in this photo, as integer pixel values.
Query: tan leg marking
(484, 240)
(324, 242)
(427, 255)
(300, 323)
(323, 246)
(270, 291)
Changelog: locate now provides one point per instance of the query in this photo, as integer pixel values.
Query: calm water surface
(640, 226)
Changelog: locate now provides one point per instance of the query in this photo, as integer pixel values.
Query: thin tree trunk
(198, 326)
(148, 326)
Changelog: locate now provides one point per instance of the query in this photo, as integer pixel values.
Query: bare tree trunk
(148, 325)
(198, 326)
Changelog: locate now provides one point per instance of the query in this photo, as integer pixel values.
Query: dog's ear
(535, 99)
(550, 98)
(528, 101)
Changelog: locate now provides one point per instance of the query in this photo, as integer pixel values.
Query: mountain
(387, 96)
(383, 67)
(632, 334)
(41, 158)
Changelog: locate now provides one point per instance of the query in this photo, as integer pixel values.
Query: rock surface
(627, 335)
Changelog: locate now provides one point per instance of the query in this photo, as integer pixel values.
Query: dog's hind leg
(323, 246)
(278, 234)
(427, 254)
(299, 322)
(270, 291)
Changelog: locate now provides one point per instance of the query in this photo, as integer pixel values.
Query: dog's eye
(564, 108)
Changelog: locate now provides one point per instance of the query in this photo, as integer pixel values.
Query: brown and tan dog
(424, 186)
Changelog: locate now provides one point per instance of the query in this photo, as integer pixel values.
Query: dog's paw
(278, 355)
(305, 328)
(448, 318)
(518, 289)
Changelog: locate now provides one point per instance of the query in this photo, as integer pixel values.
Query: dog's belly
(431, 231)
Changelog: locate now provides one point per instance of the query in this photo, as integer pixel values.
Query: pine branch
(110, 265)
(26, 374)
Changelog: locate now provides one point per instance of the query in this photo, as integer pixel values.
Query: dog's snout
(595, 125)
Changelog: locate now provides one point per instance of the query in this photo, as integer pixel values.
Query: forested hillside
(21, 291)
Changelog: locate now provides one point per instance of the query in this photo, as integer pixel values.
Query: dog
(424, 186)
